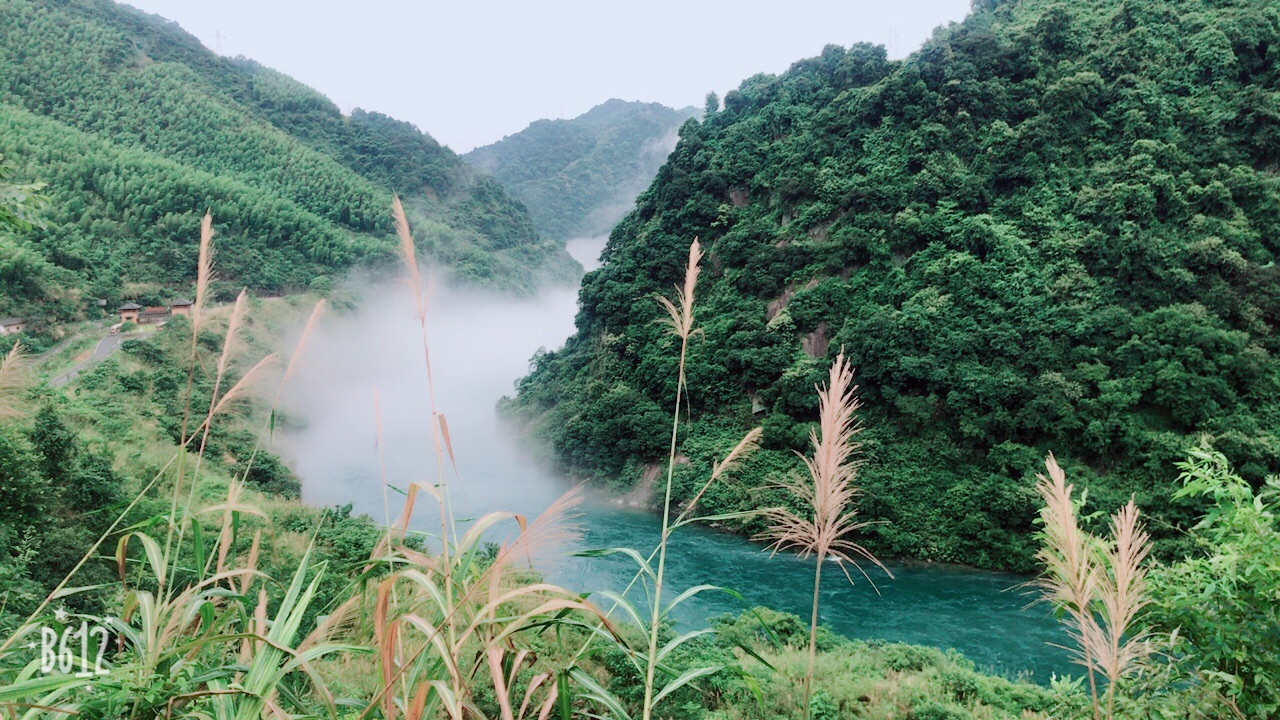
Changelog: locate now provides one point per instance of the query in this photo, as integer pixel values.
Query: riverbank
(479, 345)
(118, 402)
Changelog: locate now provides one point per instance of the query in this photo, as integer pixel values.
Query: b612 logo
(69, 649)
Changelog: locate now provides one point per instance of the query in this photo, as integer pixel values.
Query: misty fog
(480, 343)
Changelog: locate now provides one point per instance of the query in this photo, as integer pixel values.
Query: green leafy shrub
(1220, 603)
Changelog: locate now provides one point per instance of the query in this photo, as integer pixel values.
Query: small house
(9, 326)
(181, 306)
(129, 312)
(153, 315)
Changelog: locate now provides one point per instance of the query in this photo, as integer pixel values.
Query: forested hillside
(1052, 228)
(579, 176)
(137, 129)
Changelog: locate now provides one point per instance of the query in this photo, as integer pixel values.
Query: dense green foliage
(19, 203)
(68, 470)
(579, 176)
(137, 130)
(1224, 600)
(57, 494)
(1052, 228)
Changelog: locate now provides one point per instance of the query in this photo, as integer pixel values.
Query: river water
(480, 345)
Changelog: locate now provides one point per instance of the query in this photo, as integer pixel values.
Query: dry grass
(442, 619)
(1122, 595)
(829, 495)
(1071, 577)
(15, 379)
(1098, 585)
(437, 621)
(680, 319)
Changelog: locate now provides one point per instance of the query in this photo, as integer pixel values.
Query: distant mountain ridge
(137, 129)
(578, 177)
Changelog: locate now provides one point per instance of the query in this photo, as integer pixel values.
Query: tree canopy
(136, 130)
(579, 176)
(1052, 228)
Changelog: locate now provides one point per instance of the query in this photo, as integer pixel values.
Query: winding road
(105, 347)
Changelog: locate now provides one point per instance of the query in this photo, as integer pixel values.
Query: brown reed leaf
(409, 258)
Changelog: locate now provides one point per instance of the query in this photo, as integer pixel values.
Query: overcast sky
(472, 72)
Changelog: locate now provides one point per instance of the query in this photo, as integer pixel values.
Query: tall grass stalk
(200, 645)
(1072, 575)
(653, 658)
(1099, 585)
(204, 276)
(680, 319)
(421, 299)
(829, 497)
(14, 382)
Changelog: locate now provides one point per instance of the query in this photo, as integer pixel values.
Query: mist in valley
(480, 343)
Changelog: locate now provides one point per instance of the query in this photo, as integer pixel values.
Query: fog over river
(480, 344)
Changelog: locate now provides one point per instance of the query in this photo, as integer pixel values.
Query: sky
(470, 73)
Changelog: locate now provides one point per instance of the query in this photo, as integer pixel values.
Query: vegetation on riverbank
(144, 499)
(227, 599)
(1052, 228)
(269, 603)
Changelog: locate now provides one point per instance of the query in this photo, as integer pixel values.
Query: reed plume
(747, 445)
(1122, 594)
(1088, 578)
(14, 380)
(409, 258)
(680, 312)
(1071, 577)
(313, 320)
(829, 495)
(204, 272)
(680, 320)
(554, 528)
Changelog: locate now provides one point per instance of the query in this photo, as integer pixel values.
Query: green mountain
(579, 176)
(1053, 228)
(137, 129)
